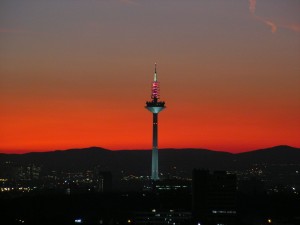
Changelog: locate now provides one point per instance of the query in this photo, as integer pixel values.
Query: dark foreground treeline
(119, 208)
(109, 208)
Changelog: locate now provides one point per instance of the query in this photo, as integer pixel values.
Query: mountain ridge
(139, 161)
(96, 148)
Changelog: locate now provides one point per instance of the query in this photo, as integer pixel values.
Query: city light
(78, 220)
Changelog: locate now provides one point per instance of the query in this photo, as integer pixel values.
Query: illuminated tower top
(155, 104)
(155, 86)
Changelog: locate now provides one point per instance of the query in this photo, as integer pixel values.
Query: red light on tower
(155, 86)
(155, 90)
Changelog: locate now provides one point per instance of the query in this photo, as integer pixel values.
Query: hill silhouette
(138, 162)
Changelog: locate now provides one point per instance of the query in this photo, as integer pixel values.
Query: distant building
(166, 185)
(251, 186)
(153, 217)
(102, 180)
(29, 172)
(214, 198)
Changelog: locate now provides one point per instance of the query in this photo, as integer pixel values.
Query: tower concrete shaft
(155, 106)
(154, 166)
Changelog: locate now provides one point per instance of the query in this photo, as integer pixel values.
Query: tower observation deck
(155, 106)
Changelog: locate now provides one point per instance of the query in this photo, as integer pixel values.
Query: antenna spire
(155, 73)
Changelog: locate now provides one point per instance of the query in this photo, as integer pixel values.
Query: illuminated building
(214, 198)
(171, 217)
(102, 180)
(167, 185)
(28, 172)
(155, 106)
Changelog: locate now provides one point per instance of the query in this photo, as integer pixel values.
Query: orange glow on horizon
(82, 78)
(81, 124)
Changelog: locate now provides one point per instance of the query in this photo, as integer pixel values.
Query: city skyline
(229, 72)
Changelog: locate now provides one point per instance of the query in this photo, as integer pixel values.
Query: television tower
(155, 106)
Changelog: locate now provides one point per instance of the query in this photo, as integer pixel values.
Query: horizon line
(18, 152)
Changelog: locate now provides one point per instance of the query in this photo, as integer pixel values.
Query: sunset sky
(77, 73)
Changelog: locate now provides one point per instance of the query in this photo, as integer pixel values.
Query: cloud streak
(252, 6)
(273, 26)
(270, 23)
(293, 27)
